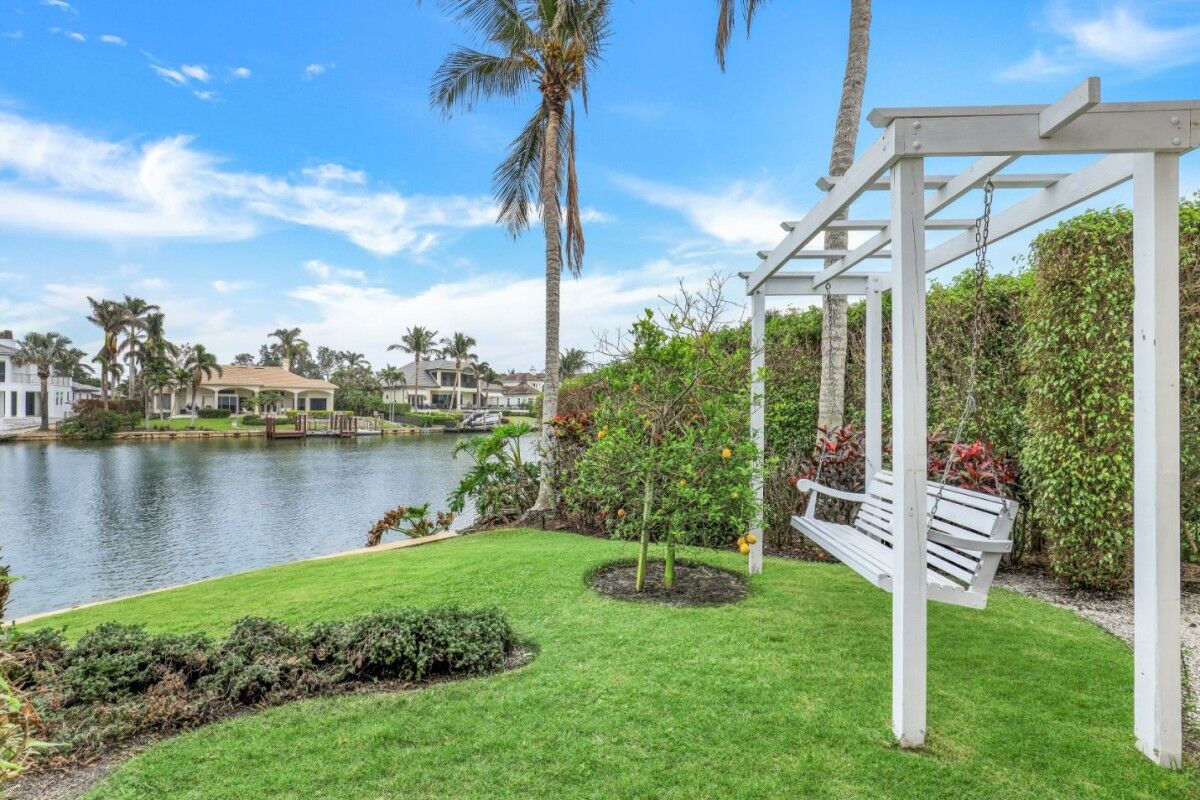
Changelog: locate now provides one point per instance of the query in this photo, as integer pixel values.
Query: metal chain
(969, 403)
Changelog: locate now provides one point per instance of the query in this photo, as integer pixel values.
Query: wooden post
(1157, 697)
(908, 452)
(874, 378)
(758, 359)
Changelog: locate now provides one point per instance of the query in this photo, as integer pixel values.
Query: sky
(248, 166)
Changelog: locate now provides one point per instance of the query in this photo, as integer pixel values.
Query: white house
(434, 388)
(535, 380)
(521, 395)
(20, 391)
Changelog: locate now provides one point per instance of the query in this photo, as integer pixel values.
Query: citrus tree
(672, 458)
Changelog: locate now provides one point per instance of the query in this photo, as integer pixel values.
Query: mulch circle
(695, 584)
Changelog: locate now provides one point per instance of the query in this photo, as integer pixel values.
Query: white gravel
(1114, 613)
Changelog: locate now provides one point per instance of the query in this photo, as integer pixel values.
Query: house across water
(236, 384)
(21, 389)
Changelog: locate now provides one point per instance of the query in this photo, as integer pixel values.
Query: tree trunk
(45, 392)
(417, 380)
(669, 563)
(831, 403)
(644, 542)
(551, 223)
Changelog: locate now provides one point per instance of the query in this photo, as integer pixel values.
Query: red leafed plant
(974, 465)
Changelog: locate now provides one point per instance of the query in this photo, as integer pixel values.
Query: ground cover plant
(785, 694)
(119, 681)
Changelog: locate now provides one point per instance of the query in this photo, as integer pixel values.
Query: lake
(82, 522)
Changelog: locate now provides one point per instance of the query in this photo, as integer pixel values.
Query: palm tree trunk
(552, 227)
(45, 393)
(831, 402)
(417, 379)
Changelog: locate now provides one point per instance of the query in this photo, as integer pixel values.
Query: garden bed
(695, 584)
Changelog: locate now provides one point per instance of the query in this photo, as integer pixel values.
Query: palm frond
(467, 75)
(499, 21)
(726, 22)
(574, 221)
(515, 181)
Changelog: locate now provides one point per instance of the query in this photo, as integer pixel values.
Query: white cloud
(195, 71)
(62, 5)
(1116, 37)
(229, 287)
(109, 38)
(334, 173)
(313, 70)
(150, 285)
(172, 76)
(240, 72)
(70, 296)
(329, 272)
(741, 213)
(504, 312)
(18, 34)
(70, 184)
(206, 95)
(75, 36)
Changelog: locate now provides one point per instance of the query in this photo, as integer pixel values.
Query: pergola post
(758, 360)
(1157, 697)
(908, 452)
(874, 377)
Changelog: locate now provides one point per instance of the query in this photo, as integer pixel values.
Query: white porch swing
(937, 542)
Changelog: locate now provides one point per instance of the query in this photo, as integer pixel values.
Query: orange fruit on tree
(744, 548)
(741, 540)
(683, 481)
(751, 538)
(621, 513)
(726, 453)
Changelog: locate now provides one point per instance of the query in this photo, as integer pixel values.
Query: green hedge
(1078, 454)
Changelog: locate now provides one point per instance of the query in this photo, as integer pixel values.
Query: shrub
(1078, 456)
(412, 521)
(213, 413)
(94, 425)
(253, 421)
(120, 681)
(501, 484)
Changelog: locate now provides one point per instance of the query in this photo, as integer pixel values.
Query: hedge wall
(1078, 354)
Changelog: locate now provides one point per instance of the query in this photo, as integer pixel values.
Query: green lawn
(783, 696)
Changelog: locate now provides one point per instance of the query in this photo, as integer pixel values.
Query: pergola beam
(1014, 180)
(1059, 114)
(823, 255)
(874, 161)
(788, 284)
(1080, 186)
(880, 224)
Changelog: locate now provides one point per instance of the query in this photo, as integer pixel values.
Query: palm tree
(109, 316)
(199, 364)
(354, 360)
(831, 402)
(46, 352)
(136, 310)
(484, 374)
(158, 375)
(73, 366)
(291, 345)
(458, 347)
(549, 45)
(391, 377)
(420, 342)
(573, 362)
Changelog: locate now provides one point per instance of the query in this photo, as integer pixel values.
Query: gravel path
(1114, 613)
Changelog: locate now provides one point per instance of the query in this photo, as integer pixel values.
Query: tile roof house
(434, 387)
(236, 383)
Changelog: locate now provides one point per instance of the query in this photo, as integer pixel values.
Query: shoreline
(159, 435)
(398, 545)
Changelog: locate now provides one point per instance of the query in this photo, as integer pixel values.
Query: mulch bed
(695, 584)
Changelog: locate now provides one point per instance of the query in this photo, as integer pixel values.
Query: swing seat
(967, 536)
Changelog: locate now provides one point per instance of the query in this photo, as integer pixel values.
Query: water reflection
(85, 522)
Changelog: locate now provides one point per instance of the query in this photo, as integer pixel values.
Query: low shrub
(119, 681)
(412, 521)
(501, 483)
(94, 425)
(253, 421)
(213, 413)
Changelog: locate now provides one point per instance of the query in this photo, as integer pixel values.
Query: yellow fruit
(683, 481)
(635, 388)
(751, 538)
(726, 453)
(621, 513)
(734, 494)
(601, 434)
(744, 548)
(741, 540)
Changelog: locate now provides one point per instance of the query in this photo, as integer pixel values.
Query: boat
(475, 422)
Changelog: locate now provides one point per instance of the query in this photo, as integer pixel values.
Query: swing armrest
(810, 486)
(980, 545)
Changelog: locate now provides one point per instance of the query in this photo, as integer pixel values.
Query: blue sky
(251, 165)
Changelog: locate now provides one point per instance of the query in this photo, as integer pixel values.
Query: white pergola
(1142, 141)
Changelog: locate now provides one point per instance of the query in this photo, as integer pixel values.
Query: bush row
(121, 681)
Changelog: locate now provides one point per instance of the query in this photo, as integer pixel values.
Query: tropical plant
(412, 521)
(158, 378)
(572, 362)
(354, 360)
(290, 344)
(501, 484)
(136, 313)
(244, 360)
(420, 342)
(199, 364)
(72, 365)
(831, 402)
(109, 316)
(263, 399)
(550, 46)
(46, 352)
(390, 378)
(485, 375)
(458, 347)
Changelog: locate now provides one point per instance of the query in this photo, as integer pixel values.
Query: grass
(784, 695)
